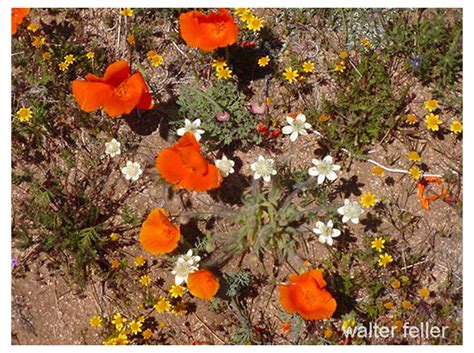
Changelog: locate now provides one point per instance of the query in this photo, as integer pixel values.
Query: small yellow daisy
(344, 54)
(432, 122)
(290, 75)
(24, 114)
(177, 291)
(431, 105)
(90, 55)
(424, 292)
(224, 73)
(115, 263)
(119, 321)
(162, 305)
(378, 171)
(255, 23)
(308, 66)
(135, 327)
(131, 39)
(368, 200)
(69, 59)
(411, 119)
(38, 41)
(395, 284)
(415, 172)
(114, 236)
(139, 261)
(385, 259)
(263, 61)
(127, 12)
(63, 66)
(378, 244)
(406, 304)
(145, 280)
(46, 56)
(340, 66)
(456, 127)
(96, 321)
(156, 60)
(32, 27)
(414, 156)
(147, 334)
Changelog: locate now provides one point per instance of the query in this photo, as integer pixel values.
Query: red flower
(423, 184)
(208, 32)
(116, 92)
(17, 17)
(306, 295)
(183, 166)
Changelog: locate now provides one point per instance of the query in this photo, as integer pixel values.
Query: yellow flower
(162, 305)
(139, 261)
(340, 66)
(145, 280)
(385, 259)
(69, 59)
(323, 118)
(147, 334)
(180, 309)
(290, 74)
(378, 244)
(90, 55)
(255, 23)
(388, 305)
(456, 127)
(177, 291)
(308, 66)
(406, 304)
(46, 56)
(348, 323)
(411, 119)
(415, 172)
(365, 42)
(343, 54)
(162, 324)
(131, 39)
(38, 41)
(404, 279)
(377, 170)
(32, 27)
(414, 156)
(151, 53)
(432, 122)
(395, 284)
(398, 325)
(121, 339)
(141, 319)
(368, 200)
(424, 292)
(135, 327)
(127, 12)
(219, 63)
(63, 66)
(156, 60)
(328, 333)
(246, 16)
(114, 236)
(241, 10)
(96, 321)
(431, 105)
(224, 73)
(263, 61)
(119, 321)
(115, 263)
(24, 114)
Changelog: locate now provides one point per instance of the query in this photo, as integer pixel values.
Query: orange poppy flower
(423, 184)
(203, 284)
(18, 14)
(158, 235)
(306, 295)
(183, 166)
(116, 92)
(208, 32)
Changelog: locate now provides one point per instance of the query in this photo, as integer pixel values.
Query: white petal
(322, 239)
(231, 163)
(189, 253)
(346, 201)
(319, 224)
(197, 122)
(340, 210)
(267, 178)
(328, 159)
(253, 166)
(335, 167)
(289, 120)
(321, 178)
(294, 136)
(316, 231)
(303, 132)
(181, 131)
(313, 171)
(261, 158)
(345, 219)
(329, 241)
(179, 280)
(197, 136)
(307, 126)
(330, 224)
(199, 131)
(274, 172)
(331, 176)
(256, 176)
(287, 129)
(355, 220)
(301, 118)
(335, 233)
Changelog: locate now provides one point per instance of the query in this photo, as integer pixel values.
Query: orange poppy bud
(158, 235)
(306, 295)
(18, 14)
(208, 31)
(117, 92)
(183, 166)
(422, 186)
(203, 284)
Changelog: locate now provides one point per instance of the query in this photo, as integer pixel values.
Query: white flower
(184, 266)
(192, 127)
(324, 169)
(263, 168)
(297, 126)
(326, 232)
(132, 171)
(226, 166)
(351, 211)
(112, 148)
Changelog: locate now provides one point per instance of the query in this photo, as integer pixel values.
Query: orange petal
(90, 95)
(286, 297)
(203, 284)
(125, 97)
(158, 235)
(146, 101)
(169, 165)
(114, 75)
